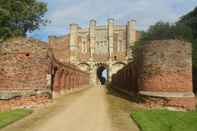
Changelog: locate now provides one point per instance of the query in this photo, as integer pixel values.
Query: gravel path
(88, 110)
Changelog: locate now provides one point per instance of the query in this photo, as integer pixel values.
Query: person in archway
(102, 80)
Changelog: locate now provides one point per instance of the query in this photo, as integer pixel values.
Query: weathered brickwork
(187, 102)
(127, 79)
(67, 77)
(60, 48)
(23, 102)
(166, 66)
(163, 72)
(24, 66)
(30, 74)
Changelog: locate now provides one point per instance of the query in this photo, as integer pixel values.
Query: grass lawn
(9, 117)
(163, 120)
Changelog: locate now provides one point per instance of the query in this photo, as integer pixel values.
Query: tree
(159, 31)
(17, 17)
(190, 20)
(162, 31)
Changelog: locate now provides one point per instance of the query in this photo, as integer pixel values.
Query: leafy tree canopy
(17, 17)
(190, 20)
(162, 30)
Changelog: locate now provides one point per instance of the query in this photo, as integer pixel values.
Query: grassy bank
(163, 120)
(9, 117)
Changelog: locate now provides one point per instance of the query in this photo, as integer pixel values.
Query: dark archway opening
(102, 74)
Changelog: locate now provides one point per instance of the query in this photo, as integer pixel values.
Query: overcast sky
(145, 12)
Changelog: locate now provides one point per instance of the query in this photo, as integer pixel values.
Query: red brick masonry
(66, 76)
(168, 81)
(163, 72)
(23, 102)
(30, 74)
(187, 103)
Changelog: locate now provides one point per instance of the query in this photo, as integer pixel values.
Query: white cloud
(146, 12)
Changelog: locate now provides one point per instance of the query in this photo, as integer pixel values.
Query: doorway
(102, 75)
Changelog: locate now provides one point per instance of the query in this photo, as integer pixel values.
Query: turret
(73, 41)
(92, 32)
(110, 32)
(131, 38)
(131, 32)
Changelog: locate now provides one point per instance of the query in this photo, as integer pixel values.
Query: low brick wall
(184, 102)
(23, 102)
(67, 77)
(125, 80)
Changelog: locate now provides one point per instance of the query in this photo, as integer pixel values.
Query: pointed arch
(84, 66)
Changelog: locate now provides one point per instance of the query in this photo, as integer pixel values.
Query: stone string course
(160, 68)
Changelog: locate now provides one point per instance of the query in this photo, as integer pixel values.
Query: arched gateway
(102, 74)
(100, 50)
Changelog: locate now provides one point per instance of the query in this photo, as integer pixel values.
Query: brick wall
(166, 66)
(179, 102)
(166, 72)
(125, 80)
(24, 67)
(23, 102)
(60, 48)
(162, 73)
(31, 73)
(67, 77)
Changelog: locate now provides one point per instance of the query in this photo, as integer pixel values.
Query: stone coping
(167, 94)
(5, 95)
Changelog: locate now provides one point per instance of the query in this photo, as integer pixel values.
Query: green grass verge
(164, 120)
(9, 117)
